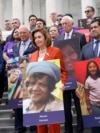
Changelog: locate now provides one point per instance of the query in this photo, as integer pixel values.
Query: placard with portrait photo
(71, 53)
(16, 74)
(44, 101)
(87, 74)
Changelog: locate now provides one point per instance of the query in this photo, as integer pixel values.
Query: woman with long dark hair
(8, 50)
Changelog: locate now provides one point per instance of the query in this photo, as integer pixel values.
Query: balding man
(25, 46)
(67, 24)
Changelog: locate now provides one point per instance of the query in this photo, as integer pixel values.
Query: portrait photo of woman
(40, 83)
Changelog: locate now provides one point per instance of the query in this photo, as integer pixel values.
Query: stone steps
(6, 122)
(7, 129)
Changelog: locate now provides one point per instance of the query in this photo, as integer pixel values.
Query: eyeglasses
(87, 11)
(14, 22)
(32, 19)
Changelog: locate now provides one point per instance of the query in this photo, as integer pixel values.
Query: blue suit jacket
(29, 50)
(74, 35)
(87, 52)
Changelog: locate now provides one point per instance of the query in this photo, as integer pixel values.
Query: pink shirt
(94, 90)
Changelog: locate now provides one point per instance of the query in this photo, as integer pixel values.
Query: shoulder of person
(17, 45)
(80, 34)
(54, 48)
(34, 54)
(55, 105)
(87, 45)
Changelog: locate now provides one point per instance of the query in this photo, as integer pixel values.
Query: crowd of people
(39, 40)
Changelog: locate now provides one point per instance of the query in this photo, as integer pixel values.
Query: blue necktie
(96, 48)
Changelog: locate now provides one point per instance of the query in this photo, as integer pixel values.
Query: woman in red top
(42, 40)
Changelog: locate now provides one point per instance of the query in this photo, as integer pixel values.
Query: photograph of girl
(92, 87)
(87, 74)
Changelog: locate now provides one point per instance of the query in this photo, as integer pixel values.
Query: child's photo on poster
(87, 74)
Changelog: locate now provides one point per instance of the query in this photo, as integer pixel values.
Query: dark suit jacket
(29, 50)
(1, 61)
(87, 52)
(74, 35)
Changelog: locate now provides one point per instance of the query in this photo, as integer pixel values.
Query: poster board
(16, 68)
(90, 86)
(71, 53)
(42, 105)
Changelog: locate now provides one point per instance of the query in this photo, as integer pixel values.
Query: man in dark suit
(67, 24)
(24, 47)
(92, 50)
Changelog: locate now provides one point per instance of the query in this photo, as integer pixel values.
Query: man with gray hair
(67, 24)
(25, 46)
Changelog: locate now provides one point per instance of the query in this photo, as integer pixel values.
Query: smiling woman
(42, 40)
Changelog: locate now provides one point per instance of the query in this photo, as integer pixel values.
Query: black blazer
(29, 50)
(74, 35)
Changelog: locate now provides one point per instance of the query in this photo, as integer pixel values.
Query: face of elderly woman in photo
(39, 39)
(70, 56)
(38, 89)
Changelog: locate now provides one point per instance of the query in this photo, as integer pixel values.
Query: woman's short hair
(46, 35)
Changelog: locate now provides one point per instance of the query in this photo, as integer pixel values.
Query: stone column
(85, 3)
(28, 5)
(1, 15)
(50, 6)
(17, 9)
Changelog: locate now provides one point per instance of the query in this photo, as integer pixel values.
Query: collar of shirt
(70, 33)
(94, 44)
(27, 43)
